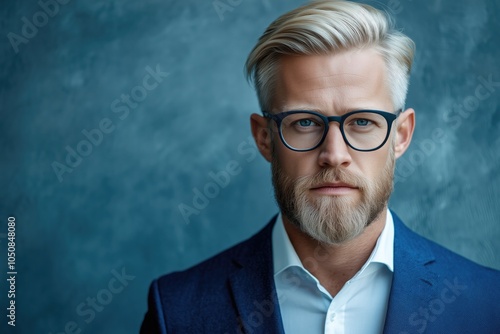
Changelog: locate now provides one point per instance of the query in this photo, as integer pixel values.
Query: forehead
(332, 83)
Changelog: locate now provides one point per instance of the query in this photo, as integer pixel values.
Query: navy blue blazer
(433, 291)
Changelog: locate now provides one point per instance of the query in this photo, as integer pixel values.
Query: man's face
(333, 192)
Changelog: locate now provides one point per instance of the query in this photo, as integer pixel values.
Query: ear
(405, 124)
(262, 135)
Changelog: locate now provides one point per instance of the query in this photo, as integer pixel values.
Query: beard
(332, 220)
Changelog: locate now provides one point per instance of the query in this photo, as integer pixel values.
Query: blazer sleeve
(154, 321)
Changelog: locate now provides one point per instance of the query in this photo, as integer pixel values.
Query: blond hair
(327, 27)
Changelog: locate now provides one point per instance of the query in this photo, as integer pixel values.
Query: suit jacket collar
(413, 282)
(252, 286)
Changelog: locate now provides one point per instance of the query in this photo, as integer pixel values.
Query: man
(331, 78)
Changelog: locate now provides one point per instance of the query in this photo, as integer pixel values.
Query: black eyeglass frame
(278, 118)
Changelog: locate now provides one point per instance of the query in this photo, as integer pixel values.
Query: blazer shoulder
(452, 262)
(213, 272)
(442, 256)
(450, 288)
(201, 299)
(480, 283)
(175, 297)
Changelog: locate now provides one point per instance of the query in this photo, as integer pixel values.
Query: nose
(334, 151)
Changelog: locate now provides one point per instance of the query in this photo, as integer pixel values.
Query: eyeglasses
(363, 130)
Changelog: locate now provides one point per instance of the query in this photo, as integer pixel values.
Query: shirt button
(332, 317)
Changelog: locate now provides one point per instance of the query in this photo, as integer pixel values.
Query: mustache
(332, 175)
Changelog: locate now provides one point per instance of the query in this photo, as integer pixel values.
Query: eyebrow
(300, 109)
(320, 111)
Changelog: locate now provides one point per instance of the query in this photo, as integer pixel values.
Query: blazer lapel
(413, 283)
(252, 286)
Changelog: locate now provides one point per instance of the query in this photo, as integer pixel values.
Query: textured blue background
(119, 208)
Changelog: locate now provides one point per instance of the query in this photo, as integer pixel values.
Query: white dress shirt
(307, 307)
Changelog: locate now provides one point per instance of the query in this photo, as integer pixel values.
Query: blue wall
(117, 211)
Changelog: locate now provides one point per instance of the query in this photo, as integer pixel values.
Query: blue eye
(362, 122)
(305, 122)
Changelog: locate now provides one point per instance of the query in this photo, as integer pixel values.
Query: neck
(334, 265)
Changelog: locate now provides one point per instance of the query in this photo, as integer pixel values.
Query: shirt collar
(284, 255)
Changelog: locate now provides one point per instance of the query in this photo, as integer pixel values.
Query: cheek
(296, 164)
(373, 164)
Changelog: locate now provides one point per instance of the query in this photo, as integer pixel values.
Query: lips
(334, 188)
(334, 185)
